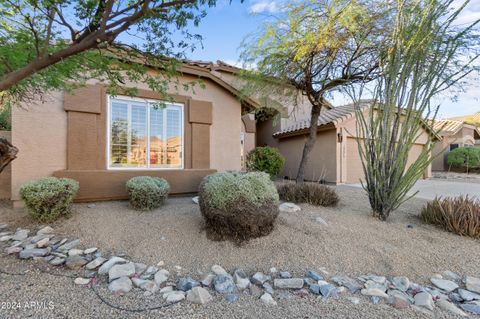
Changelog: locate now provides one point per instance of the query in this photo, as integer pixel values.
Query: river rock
(218, 270)
(401, 283)
(120, 285)
(313, 275)
(175, 296)
(241, 279)
(473, 284)
(285, 275)
(57, 261)
(223, 284)
(103, 270)
(70, 245)
(187, 283)
(374, 292)
(267, 299)
(448, 306)
(13, 250)
(75, 252)
(424, 299)
(147, 274)
(291, 283)
(45, 230)
(161, 276)
(90, 250)
(82, 281)
(207, 280)
(328, 291)
(75, 262)
(289, 207)
(468, 295)
(34, 252)
(20, 234)
(347, 282)
(97, 262)
(259, 278)
(446, 285)
(199, 295)
(471, 307)
(121, 270)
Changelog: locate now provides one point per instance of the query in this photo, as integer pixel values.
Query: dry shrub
(238, 206)
(460, 215)
(311, 193)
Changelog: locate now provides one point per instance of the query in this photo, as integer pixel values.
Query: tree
(428, 53)
(59, 44)
(315, 48)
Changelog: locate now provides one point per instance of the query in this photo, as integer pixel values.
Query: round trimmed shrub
(265, 159)
(464, 158)
(146, 192)
(238, 206)
(49, 198)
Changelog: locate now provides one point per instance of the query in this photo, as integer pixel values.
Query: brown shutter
(200, 116)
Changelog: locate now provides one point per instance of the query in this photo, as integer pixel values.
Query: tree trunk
(8, 153)
(312, 137)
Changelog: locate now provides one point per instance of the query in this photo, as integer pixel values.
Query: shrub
(146, 192)
(460, 215)
(464, 157)
(238, 206)
(265, 159)
(48, 198)
(311, 193)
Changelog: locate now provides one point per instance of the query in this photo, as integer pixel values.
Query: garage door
(354, 164)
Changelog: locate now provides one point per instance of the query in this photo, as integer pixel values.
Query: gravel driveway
(351, 243)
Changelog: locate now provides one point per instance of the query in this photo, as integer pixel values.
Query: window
(143, 134)
(453, 146)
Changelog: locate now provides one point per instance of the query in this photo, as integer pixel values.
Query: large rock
(103, 270)
(468, 295)
(268, 299)
(75, 262)
(472, 284)
(446, 285)
(121, 270)
(291, 283)
(347, 282)
(199, 295)
(224, 284)
(448, 306)
(161, 276)
(35, 252)
(289, 207)
(120, 285)
(97, 262)
(425, 300)
(21, 234)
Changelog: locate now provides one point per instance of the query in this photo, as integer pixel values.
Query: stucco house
(102, 140)
(455, 133)
(335, 156)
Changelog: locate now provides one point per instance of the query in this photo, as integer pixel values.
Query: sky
(227, 24)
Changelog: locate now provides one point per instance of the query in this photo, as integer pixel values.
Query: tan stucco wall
(6, 175)
(322, 161)
(40, 133)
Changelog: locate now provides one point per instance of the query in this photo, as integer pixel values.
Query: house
(455, 133)
(335, 156)
(102, 140)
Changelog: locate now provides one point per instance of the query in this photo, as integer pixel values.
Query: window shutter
(200, 116)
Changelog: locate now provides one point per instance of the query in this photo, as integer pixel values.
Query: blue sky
(227, 24)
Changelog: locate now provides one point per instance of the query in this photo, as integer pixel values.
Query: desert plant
(311, 193)
(466, 158)
(49, 198)
(265, 159)
(428, 52)
(146, 192)
(460, 215)
(238, 206)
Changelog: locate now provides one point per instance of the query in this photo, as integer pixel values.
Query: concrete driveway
(431, 188)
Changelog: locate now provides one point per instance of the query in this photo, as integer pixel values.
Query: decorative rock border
(448, 290)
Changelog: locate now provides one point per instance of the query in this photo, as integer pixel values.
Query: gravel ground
(353, 243)
(460, 177)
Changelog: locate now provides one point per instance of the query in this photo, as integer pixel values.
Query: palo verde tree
(59, 44)
(314, 48)
(427, 53)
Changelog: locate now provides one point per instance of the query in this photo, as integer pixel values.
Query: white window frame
(128, 99)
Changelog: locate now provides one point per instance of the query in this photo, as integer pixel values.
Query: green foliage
(61, 32)
(49, 198)
(147, 193)
(238, 206)
(222, 189)
(311, 193)
(464, 157)
(428, 52)
(265, 159)
(5, 117)
(460, 215)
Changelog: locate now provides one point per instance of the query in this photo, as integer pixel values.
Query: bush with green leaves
(265, 159)
(238, 206)
(146, 192)
(465, 158)
(49, 198)
(460, 215)
(311, 193)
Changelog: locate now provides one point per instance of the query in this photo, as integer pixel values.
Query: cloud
(265, 6)
(470, 13)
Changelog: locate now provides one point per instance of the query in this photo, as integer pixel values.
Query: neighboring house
(454, 133)
(102, 141)
(335, 157)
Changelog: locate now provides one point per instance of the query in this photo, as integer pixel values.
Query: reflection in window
(144, 135)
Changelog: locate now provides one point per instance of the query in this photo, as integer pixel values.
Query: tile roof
(447, 127)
